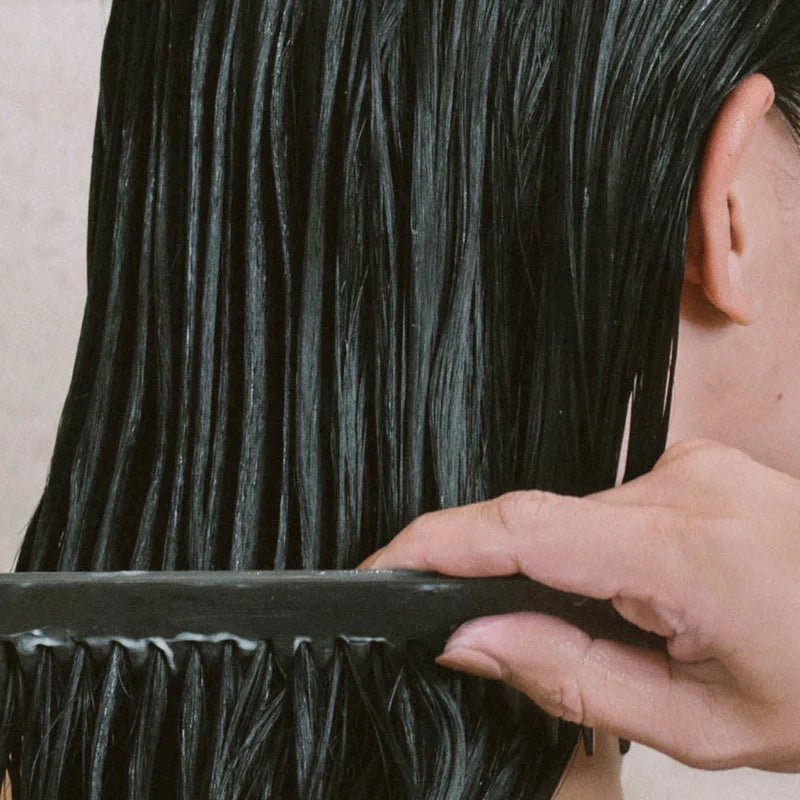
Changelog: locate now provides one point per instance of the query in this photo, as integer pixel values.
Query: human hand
(704, 550)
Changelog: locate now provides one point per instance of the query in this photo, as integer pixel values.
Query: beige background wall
(49, 63)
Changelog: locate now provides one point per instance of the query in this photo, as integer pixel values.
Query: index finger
(590, 547)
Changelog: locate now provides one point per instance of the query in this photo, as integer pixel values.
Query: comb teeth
(246, 721)
(175, 651)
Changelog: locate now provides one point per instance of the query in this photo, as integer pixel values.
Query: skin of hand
(704, 550)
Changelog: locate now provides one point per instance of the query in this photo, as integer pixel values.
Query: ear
(718, 225)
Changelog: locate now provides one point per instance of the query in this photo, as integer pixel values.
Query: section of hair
(351, 261)
(237, 725)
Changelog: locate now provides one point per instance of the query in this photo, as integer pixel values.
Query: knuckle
(692, 448)
(674, 545)
(563, 700)
(419, 528)
(572, 698)
(518, 510)
(702, 456)
(571, 703)
(415, 534)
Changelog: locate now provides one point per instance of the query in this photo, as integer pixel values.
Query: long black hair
(350, 261)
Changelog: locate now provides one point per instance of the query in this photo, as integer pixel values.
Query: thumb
(629, 692)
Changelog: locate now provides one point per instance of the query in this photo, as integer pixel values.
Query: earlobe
(718, 225)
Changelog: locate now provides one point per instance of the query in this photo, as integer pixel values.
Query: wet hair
(350, 261)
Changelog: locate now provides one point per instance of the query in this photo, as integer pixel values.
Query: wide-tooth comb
(171, 609)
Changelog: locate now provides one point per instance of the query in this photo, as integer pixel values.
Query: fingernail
(369, 563)
(473, 635)
(473, 662)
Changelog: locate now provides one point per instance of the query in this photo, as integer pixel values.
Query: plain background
(49, 65)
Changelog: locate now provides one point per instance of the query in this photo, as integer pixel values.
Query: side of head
(737, 378)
